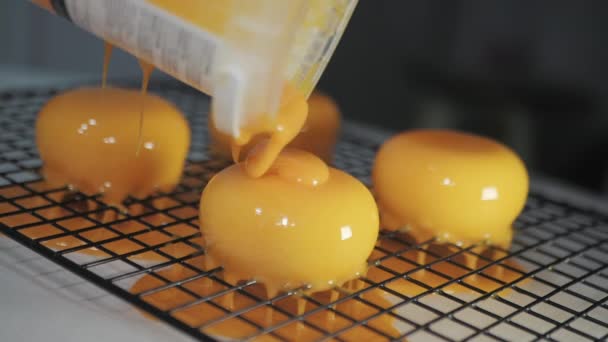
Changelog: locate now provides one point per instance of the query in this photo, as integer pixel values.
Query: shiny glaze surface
(285, 232)
(457, 187)
(88, 138)
(318, 135)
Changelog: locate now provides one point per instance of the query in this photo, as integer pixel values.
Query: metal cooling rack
(559, 291)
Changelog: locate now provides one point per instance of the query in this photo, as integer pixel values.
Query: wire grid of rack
(558, 291)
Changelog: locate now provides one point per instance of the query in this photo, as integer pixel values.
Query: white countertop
(40, 300)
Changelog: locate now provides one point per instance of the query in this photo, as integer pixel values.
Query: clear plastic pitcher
(241, 52)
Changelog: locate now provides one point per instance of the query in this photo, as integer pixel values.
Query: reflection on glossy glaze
(295, 166)
(88, 138)
(457, 187)
(318, 135)
(210, 314)
(301, 223)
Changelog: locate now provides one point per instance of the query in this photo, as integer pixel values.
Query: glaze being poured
(280, 131)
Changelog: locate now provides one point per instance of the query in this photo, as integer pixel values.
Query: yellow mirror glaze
(88, 138)
(318, 135)
(286, 233)
(457, 187)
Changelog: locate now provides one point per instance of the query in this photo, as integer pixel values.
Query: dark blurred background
(533, 74)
